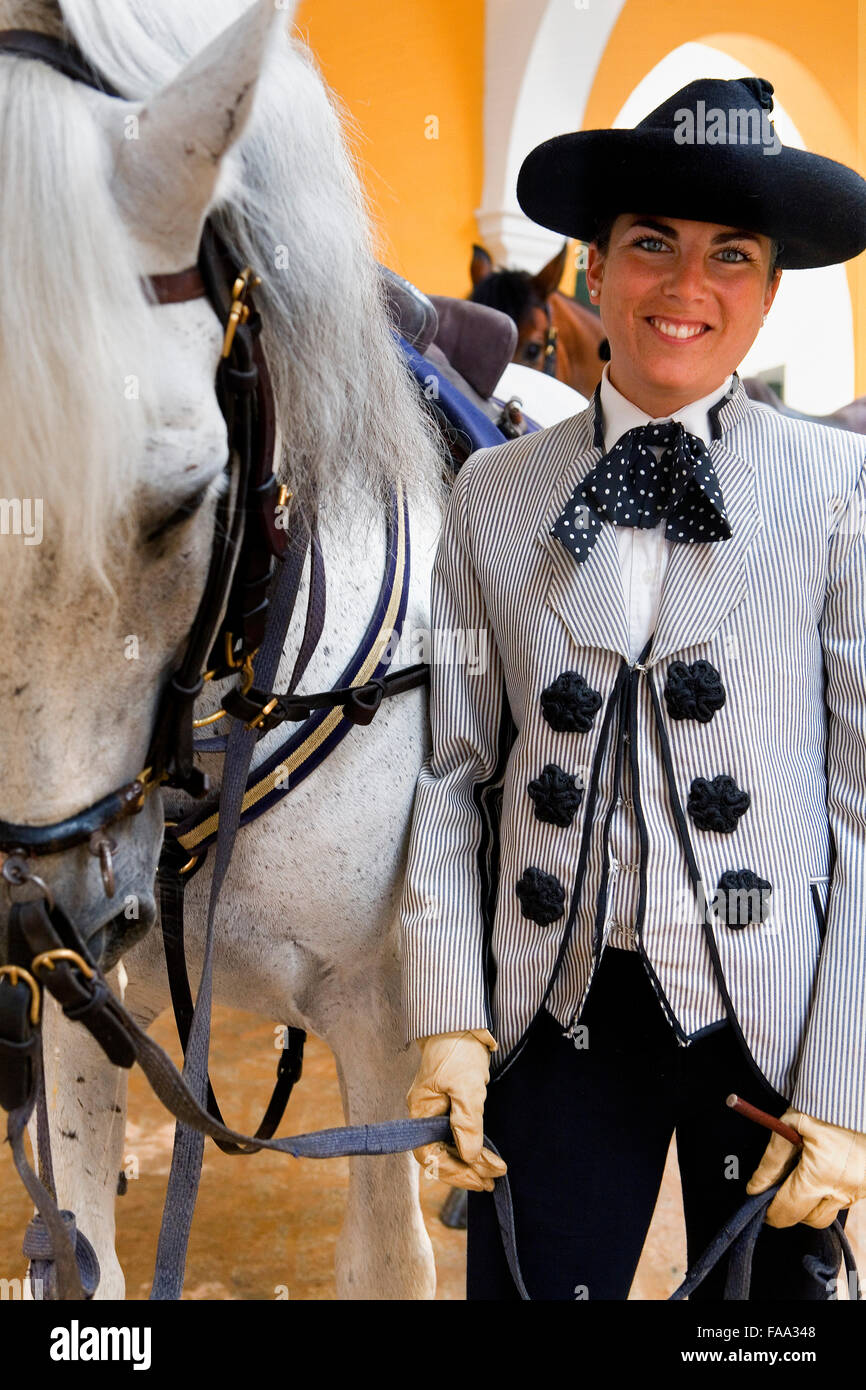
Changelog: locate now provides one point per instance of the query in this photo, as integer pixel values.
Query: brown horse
(554, 333)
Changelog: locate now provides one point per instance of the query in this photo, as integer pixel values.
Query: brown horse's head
(524, 298)
(555, 334)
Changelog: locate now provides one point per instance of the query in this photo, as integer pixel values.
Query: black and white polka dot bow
(629, 487)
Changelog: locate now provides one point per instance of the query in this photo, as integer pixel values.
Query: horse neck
(579, 333)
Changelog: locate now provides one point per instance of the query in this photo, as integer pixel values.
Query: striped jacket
(743, 726)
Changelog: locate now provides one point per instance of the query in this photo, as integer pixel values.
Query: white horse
(109, 417)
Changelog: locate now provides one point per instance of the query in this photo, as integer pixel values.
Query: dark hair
(605, 227)
(507, 290)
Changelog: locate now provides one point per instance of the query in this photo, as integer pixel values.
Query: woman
(669, 905)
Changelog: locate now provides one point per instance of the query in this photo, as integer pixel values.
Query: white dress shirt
(643, 556)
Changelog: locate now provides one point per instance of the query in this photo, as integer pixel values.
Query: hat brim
(815, 206)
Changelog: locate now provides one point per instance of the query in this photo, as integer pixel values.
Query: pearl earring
(593, 294)
(764, 320)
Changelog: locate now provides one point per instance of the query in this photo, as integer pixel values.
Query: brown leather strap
(58, 54)
(179, 286)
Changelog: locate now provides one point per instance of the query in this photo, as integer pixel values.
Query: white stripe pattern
(770, 608)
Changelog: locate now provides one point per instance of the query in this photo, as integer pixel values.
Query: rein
(77, 985)
(239, 630)
(252, 582)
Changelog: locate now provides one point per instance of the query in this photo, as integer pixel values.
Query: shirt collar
(620, 414)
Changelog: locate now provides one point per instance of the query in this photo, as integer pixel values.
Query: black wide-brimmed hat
(710, 154)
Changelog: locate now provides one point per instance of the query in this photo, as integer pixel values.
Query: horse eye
(179, 516)
(533, 351)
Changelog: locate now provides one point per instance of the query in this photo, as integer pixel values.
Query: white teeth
(673, 330)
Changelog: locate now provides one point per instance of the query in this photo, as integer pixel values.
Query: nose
(74, 881)
(685, 279)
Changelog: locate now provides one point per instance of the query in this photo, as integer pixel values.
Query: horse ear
(548, 278)
(169, 161)
(480, 266)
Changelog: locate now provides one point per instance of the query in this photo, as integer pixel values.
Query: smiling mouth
(677, 331)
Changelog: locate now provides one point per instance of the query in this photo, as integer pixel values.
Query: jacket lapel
(588, 597)
(702, 583)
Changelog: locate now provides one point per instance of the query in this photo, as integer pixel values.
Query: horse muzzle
(103, 881)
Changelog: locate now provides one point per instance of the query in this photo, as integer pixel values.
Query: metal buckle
(240, 310)
(148, 780)
(245, 667)
(193, 859)
(263, 713)
(47, 958)
(209, 719)
(16, 975)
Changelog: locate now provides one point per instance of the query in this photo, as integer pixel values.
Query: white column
(541, 59)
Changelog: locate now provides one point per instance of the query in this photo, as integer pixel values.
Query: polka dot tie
(630, 487)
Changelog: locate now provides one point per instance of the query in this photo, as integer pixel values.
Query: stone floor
(268, 1223)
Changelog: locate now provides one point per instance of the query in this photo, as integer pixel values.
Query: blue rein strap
(187, 1155)
(736, 1239)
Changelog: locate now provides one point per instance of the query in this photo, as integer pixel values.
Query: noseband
(247, 529)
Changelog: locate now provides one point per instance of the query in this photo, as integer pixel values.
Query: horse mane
(75, 331)
(74, 323)
(291, 205)
(508, 290)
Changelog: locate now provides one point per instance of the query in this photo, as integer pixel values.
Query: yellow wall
(394, 63)
(814, 54)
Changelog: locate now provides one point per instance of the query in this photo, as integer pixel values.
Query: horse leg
(86, 1104)
(383, 1250)
(86, 1101)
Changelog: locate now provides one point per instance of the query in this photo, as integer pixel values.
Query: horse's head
(113, 448)
(524, 298)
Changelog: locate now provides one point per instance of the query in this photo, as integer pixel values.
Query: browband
(58, 54)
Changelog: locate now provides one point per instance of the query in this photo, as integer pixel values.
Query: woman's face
(681, 303)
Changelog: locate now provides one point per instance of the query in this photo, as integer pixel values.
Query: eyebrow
(672, 232)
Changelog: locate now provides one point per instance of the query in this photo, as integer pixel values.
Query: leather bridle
(247, 530)
(252, 581)
(550, 341)
(42, 935)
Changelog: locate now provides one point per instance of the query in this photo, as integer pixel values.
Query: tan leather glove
(454, 1071)
(830, 1173)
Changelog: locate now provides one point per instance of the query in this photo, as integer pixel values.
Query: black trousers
(585, 1133)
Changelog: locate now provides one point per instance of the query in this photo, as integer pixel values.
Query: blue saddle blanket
(457, 409)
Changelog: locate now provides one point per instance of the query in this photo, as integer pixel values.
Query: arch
(585, 60)
(540, 60)
(816, 69)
